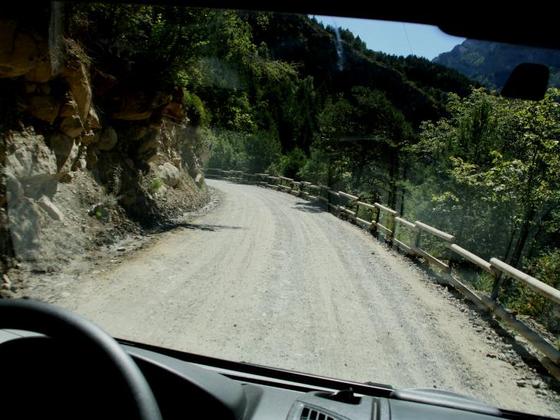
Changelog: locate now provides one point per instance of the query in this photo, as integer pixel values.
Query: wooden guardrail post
(496, 286)
(409, 249)
(330, 205)
(392, 226)
(375, 221)
(320, 194)
(417, 238)
(343, 209)
(389, 232)
(356, 206)
(419, 226)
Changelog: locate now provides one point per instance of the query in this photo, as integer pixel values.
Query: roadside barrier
(384, 223)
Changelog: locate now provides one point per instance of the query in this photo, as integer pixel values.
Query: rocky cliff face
(491, 63)
(83, 155)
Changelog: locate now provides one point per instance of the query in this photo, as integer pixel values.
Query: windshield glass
(342, 197)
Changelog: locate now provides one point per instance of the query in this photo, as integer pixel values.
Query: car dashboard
(186, 384)
(226, 393)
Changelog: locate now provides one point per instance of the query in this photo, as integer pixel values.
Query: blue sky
(395, 37)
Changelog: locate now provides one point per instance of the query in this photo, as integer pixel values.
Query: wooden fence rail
(541, 288)
(338, 202)
(475, 259)
(436, 232)
(349, 196)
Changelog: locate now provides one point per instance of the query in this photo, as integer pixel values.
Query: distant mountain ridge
(490, 63)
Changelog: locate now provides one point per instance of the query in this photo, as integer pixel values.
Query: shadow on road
(204, 226)
(197, 226)
(310, 207)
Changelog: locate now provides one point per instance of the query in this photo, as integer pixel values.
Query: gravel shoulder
(268, 278)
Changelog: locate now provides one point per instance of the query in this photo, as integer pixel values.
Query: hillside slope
(490, 63)
(338, 60)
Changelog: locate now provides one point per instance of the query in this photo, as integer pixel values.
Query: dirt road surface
(268, 278)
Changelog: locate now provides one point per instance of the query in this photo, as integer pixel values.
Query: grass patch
(155, 185)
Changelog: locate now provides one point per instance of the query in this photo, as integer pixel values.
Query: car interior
(56, 364)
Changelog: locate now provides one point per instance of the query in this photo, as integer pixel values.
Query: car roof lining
(528, 24)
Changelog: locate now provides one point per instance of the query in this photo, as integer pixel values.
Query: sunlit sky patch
(397, 38)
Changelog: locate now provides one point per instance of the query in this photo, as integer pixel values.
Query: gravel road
(269, 278)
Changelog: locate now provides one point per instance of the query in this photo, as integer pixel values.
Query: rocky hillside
(86, 158)
(490, 63)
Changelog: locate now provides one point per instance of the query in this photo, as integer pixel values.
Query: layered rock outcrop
(78, 118)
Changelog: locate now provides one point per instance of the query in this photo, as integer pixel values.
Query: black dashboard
(188, 385)
(225, 393)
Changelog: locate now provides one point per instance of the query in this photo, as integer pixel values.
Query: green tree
(493, 177)
(365, 132)
(243, 151)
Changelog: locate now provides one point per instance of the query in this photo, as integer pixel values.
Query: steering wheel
(79, 347)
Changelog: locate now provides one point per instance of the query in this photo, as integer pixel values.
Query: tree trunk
(403, 192)
(534, 239)
(510, 243)
(393, 179)
(523, 235)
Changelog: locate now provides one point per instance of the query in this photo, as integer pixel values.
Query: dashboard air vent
(313, 414)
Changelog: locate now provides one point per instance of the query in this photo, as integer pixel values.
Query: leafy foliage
(290, 164)
(495, 171)
(242, 151)
(491, 172)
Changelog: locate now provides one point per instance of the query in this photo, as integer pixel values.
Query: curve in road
(271, 279)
